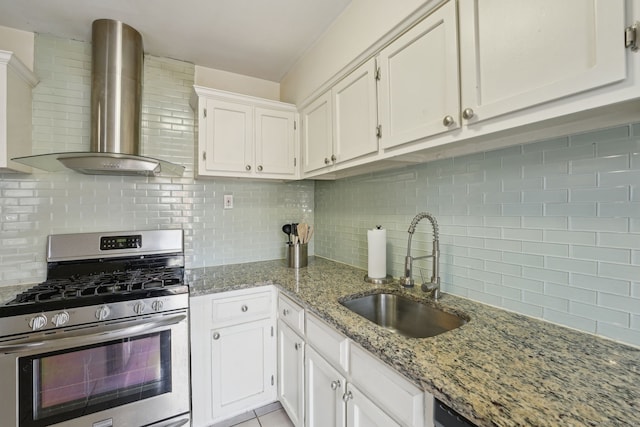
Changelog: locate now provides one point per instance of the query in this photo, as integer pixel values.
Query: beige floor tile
(268, 408)
(237, 420)
(251, 423)
(277, 418)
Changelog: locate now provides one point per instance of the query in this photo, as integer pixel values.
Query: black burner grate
(119, 282)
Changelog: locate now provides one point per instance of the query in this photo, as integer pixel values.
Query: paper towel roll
(377, 243)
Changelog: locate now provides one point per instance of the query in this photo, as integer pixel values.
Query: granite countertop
(7, 293)
(499, 369)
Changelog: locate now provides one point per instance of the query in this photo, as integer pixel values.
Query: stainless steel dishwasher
(444, 416)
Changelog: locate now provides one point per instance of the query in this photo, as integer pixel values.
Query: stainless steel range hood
(116, 100)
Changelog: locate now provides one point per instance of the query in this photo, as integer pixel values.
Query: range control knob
(38, 322)
(157, 305)
(139, 308)
(60, 319)
(103, 312)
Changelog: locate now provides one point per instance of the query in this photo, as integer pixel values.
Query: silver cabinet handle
(244, 308)
(259, 168)
(248, 167)
(467, 113)
(335, 384)
(448, 121)
(285, 312)
(347, 396)
(333, 158)
(297, 346)
(216, 335)
(326, 161)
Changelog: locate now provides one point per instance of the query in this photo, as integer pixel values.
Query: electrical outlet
(228, 201)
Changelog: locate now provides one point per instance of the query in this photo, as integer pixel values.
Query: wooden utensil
(302, 232)
(309, 233)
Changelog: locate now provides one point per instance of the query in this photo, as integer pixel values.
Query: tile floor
(267, 416)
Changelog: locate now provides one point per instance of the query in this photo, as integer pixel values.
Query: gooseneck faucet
(407, 281)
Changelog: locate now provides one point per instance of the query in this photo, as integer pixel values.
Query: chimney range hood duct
(116, 98)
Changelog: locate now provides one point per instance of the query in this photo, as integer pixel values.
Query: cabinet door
(317, 134)
(16, 84)
(361, 412)
(229, 137)
(355, 114)
(516, 54)
(419, 86)
(291, 373)
(324, 387)
(243, 368)
(275, 142)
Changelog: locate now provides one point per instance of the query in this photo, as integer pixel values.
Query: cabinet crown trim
(238, 97)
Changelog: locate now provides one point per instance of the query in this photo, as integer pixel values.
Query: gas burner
(101, 284)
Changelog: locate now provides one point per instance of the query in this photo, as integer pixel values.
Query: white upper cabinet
(462, 76)
(228, 133)
(518, 53)
(355, 115)
(16, 82)
(244, 136)
(419, 86)
(275, 142)
(317, 136)
(341, 124)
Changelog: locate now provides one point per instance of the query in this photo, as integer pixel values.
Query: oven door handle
(80, 337)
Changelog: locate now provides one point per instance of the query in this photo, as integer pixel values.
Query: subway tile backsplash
(33, 206)
(550, 229)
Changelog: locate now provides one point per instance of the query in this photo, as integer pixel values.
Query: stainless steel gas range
(104, 340)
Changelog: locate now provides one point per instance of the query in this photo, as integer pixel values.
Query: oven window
(67, 384)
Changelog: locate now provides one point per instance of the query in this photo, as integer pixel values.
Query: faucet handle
(432, 288)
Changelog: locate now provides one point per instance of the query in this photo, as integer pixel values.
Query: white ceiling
(259, 38)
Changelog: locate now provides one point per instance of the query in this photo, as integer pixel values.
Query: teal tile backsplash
(33, 206)
(550, 229)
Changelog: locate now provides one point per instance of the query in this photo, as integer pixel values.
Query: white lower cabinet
(324, 391)
(291, 373)
(362, 412)
(347, 386)
(323, 379)
(233, 353)
(389, 391)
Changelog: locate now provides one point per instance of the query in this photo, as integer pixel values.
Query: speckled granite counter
(7, 293)
(499, 369)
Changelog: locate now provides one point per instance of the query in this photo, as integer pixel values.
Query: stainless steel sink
(403, 315)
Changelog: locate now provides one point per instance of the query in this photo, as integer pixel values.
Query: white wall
(231, 82)
(361, 24)
(18, 42)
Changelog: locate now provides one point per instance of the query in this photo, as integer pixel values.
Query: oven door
(133, 373)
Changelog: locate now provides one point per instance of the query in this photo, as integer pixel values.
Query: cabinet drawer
(331, 344)
(292, 314)
(387, 389)
(241, 308)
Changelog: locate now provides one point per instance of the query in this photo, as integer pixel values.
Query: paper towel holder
(378, 281)
(382, 281)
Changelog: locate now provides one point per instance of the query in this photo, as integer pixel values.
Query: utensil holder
(297, 255)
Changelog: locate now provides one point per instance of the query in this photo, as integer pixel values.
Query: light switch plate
(228, 201)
